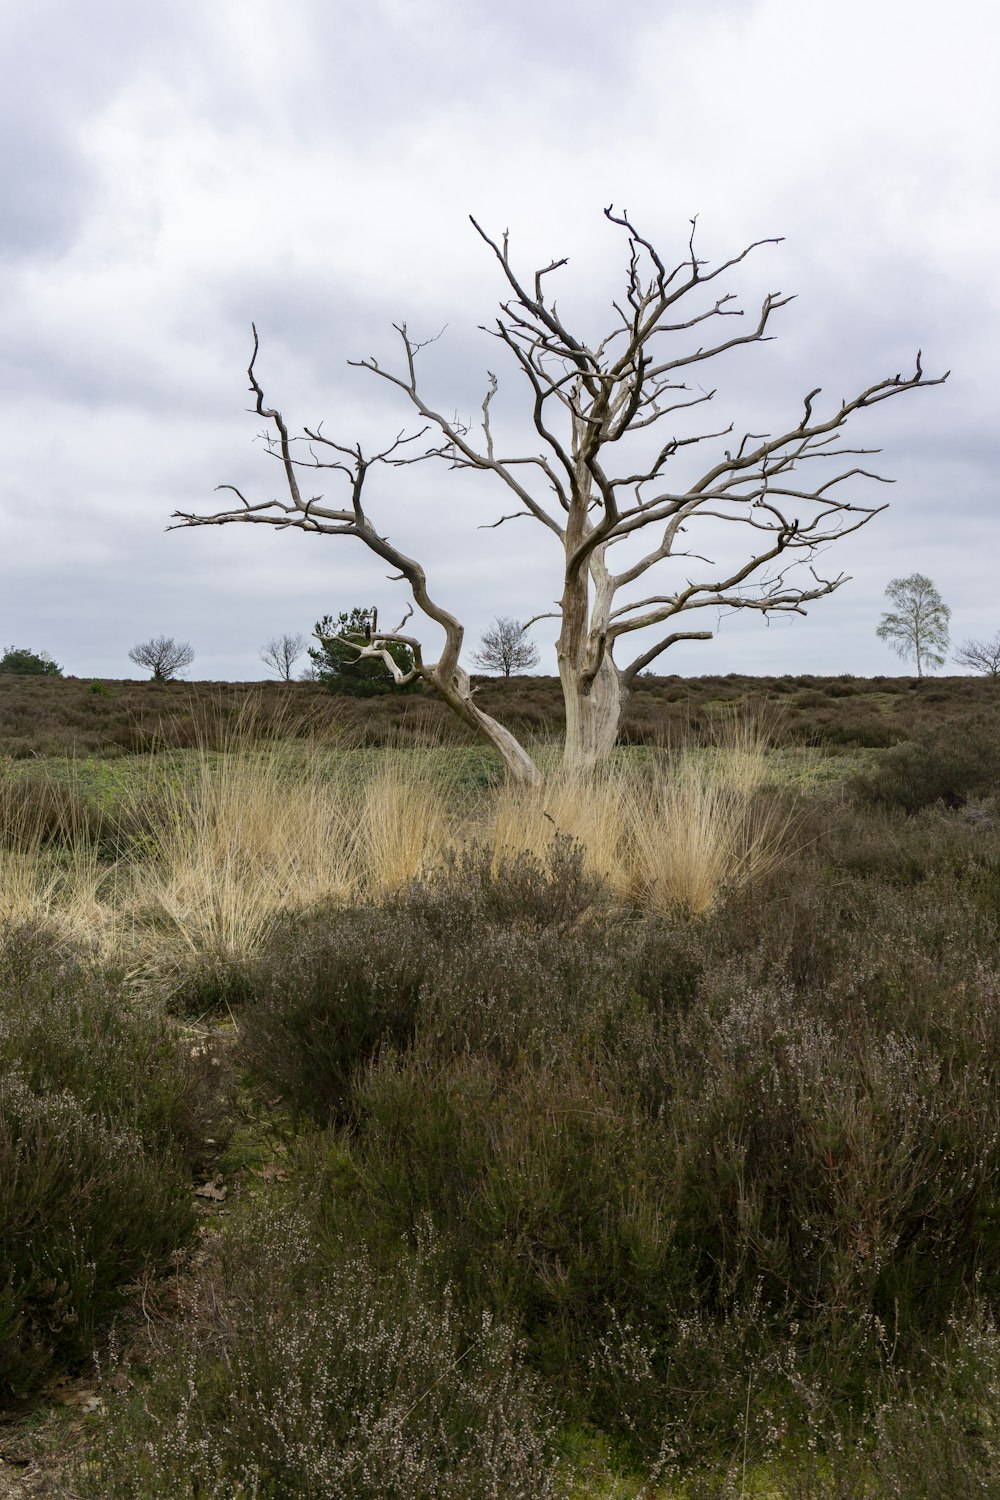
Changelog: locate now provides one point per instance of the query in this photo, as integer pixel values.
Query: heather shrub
(330, 989)
(101, 1119)
(68, 1024)
(810, 697)
(53, 716)
(84, 1207)
(315, 1370)
(922, 1432)
(936, 1433)
(858, 731)
(467, 946)
(521, 890)
(546, 1186)
(949, 763)
(868, 891)
(672, 1151)
(866, 1185)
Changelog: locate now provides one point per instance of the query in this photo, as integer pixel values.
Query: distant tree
(163, 656)
(281, 654)
(29, 663)
(505, 648)
(918, 625)
(339, 661)
(981, 656)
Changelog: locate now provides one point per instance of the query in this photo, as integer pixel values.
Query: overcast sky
(173, 171)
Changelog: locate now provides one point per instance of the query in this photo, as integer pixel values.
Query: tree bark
(593, 711)
(591, 682)
(456, 690)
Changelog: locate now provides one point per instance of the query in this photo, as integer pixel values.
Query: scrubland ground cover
(367, 1129)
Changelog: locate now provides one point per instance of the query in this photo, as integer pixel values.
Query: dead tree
(587, 402)
(280, 654)
(163, 656)
(981, 656)
(505, 648)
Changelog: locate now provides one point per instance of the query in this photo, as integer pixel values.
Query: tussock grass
(671, 833)
(700, 825)
(207, 853)
(50, 867)
(269, 828)
(589, 809)
(244, 835)
(404, 823)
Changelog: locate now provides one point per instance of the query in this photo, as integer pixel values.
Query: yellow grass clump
(673, 832)
(404, 825)
(224, 842)
(49, 871)
(243, 835)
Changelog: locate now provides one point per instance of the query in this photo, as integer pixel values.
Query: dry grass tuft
(245, 835)
(50, 869)
(589, 809)
(674, 832)
(699, 825)
(404, 824)
(220, 847)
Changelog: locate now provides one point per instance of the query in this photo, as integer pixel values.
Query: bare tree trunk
(591, 683)
(456, 690)
(593, 709)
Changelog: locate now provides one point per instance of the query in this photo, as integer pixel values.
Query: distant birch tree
(917, 626)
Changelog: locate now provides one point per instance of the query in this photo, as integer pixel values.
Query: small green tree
(918, 625)
(338, 662)
(29, 663)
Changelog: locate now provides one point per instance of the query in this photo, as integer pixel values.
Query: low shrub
(470, 945)
(951, 763)
(101, 1118)
(328, 992)
(84, 1207)
(861, 731)
(547, 1186)
(672, 1152)
(68, 1024)
(520, 890)
(315, 1371)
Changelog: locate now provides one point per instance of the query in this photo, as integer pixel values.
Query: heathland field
(369, 1127)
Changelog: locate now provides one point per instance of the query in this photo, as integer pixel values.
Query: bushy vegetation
(18, 661)
(953, 763)
(102, 1118)
(44, 716)
(668, 1154)
(341, 667)
(552, 1174)
(316, 1370)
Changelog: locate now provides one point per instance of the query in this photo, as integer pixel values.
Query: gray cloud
(182, 170)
